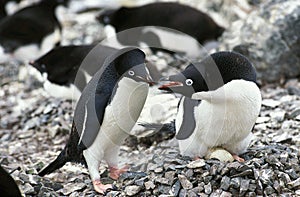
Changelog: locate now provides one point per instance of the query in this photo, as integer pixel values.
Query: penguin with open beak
(105, 114)
(220, 104)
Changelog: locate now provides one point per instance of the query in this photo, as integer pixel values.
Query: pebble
(186, 184)
(196, 164)
(132, 190)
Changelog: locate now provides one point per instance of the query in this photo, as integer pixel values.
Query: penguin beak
(148, 79)
(170, 84)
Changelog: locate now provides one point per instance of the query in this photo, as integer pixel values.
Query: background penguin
(8, 186)
(105, 114)
(220, 104)
(3, 7)
(30, 32)
(60, 67)
(171, 15)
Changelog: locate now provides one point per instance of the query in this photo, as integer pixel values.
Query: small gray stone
(207, 188)
(28, 189)
(244, 186)
(196, 164)
(295, 183)
(132, 190)
(225, 194)
(149, 185)
(175, 188)
(235, 182)
(186, 184)
(225, 183)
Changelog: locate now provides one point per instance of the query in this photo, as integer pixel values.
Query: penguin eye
(106, 19)
(189, 82)
(131, 72)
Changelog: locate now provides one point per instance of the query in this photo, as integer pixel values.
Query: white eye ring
(189, 82)
(131, 72)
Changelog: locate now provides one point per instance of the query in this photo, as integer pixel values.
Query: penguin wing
(188, 123)
(93, 117)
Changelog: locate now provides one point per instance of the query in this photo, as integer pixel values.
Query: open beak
(169, 84)
(148, 79)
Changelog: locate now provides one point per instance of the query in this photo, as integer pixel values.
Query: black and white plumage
(3, 7)
(105, 114)
(63, 64)
(8, 186)
(220, 104)
(196, 26)
(30, 32)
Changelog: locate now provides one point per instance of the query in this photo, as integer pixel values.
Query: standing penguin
(30, 32)
(105, 114)
(220, 104)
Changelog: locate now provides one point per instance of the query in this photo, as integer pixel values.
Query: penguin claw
(101, 188)
(115, 172)
(237, 158)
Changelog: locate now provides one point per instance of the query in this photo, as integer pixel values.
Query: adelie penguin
(30, 32)
(65, 74)
(220, 104)
(105, 114)
(150, 22)
(67, 69)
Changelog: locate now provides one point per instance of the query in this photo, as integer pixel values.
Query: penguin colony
(219, 103)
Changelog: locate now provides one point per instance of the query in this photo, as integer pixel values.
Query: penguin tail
(59, 162)
(161, 132)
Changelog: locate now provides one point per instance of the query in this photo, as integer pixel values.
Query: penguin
(8, 186)
(64, 72)
(219, 106)
(61, 65)
(30, 32)
(3, 7)
(105, 114)
(168, 25)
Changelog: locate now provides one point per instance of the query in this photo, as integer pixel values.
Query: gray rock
(196, 164)
(28, 189)
(175, 188)
(225, 183)
(235, 182)
(244, 186)
(207, 188)
(132, 190)
(186, 184)
(269, 37)
(149, 185)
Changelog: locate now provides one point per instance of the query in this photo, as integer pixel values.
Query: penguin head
(131, 64)
(57, 64)
(211, 73)
(106, 17)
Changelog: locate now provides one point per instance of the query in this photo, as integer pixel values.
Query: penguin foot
(237, 158)
(101, 188)
(115, 172)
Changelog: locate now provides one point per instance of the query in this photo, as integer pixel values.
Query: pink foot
(101, 188)
(239, 159)
(196, 158)
(115, 172)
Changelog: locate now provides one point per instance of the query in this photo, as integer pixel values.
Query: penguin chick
(220, 104)
(65, 75)
(30, 32)
(105, 114)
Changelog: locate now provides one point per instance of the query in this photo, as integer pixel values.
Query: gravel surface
(34, 128)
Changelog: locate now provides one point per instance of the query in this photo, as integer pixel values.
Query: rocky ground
(34, 128)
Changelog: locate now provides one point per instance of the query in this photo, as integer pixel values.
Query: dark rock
(269, 38)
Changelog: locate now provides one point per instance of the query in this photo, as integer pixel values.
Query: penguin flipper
(188, 124)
